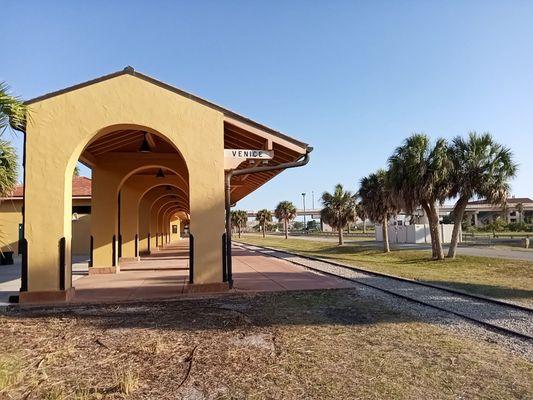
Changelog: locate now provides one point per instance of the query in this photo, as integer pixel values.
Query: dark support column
(224, 259)
(136, 245)
(149, 240)
(229, 266)
(191, 258)
(62, 262)
(118, 225)
(114, 252)
(24, 268)
(91, 250)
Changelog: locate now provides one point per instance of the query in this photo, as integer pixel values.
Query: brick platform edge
(206, 287)
(103, 270)
(55, 296)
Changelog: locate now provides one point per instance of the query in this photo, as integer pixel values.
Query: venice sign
(233, 157)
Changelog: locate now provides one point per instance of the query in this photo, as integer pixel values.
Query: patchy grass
(498, 278)
(126, 379)
(10, 371)
(316, 345)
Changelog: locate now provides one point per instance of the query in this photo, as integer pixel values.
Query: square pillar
(129, 222)
(104, 221)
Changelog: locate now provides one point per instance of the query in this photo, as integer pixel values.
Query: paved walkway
(164, 275)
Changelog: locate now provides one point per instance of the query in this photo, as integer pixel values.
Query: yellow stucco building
(158, 162)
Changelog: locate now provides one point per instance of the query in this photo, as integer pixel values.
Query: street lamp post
(305, 220)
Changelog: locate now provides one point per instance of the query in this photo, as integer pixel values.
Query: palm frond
(12, 110)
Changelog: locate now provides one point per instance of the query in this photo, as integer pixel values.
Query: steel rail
(485, 324)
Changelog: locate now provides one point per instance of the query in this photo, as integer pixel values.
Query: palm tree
(285, 211)
(263, 216)
(377, 201)
(12, 114)
(12, 110)
(238, 219)
(361, 212)
(482, 168)
(419, 175)
(8, 168)
(339, 209)
(520, 208)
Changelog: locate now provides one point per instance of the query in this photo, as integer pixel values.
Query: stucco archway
(89, 121)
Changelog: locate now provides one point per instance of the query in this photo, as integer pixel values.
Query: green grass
(498, 278)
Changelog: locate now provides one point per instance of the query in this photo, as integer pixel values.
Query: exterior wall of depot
(62, 126)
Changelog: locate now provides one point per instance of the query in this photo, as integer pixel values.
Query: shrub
(498, 225)
(517, 227)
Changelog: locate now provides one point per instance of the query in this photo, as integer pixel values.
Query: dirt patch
(322, 344)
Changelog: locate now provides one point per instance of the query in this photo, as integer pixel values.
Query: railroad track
(495, 315)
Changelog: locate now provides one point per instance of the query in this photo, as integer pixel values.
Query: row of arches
(139, 137)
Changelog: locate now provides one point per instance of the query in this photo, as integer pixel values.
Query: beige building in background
(11, 218)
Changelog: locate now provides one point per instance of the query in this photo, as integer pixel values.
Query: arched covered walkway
(157, 156)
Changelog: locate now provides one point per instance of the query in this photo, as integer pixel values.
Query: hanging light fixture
(160, 173)
(145, 146)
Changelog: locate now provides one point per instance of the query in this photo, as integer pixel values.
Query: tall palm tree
(419, 175)
(339, 209)
(285, 211)
(263, 216)
(238, 219)
(362, 214)
(482, 168)
(377, 201)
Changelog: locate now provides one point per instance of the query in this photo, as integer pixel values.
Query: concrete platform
(165, 274)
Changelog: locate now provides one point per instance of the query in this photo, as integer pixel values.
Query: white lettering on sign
(249, 154)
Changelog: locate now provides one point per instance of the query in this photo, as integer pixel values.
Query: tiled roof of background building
(81, 187)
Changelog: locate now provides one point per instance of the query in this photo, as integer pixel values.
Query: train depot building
(165, 166)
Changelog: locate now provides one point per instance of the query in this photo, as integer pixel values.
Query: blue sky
(351, 78)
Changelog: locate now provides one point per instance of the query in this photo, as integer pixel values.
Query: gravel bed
(500, 315)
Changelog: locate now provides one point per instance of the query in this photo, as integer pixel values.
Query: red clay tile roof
(81, 187)
(510, 200)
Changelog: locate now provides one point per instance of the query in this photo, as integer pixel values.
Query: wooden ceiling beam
(103, 143)
(232, 122)
(88, 159)
(109, 137)
(150, 139)
(114, 146)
